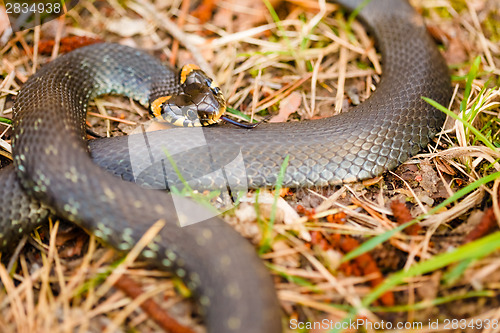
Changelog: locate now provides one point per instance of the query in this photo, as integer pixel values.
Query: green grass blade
(240, 114)
(266, 240)
(356, 11)
(5, 121)
(468, 84)
(177, 171)
(432, 302)
(465, 123)
(372, 243)
(472, 250)
(452, 275)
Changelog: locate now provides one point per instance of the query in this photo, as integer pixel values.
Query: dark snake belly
(53, 168)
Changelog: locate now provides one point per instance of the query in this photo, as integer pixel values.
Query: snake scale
(53, 173)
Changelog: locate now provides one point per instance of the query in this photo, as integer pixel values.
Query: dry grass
(295, 61)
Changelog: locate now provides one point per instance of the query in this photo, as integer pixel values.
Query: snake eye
(215, 90)
(213, 87)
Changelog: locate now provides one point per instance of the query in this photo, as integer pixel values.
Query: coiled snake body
(54, 174)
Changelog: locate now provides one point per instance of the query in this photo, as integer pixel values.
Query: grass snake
(53, 173)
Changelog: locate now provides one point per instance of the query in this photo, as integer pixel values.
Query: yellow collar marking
(156, 106)
(186, 69)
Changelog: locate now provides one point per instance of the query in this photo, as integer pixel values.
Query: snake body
(55, 175)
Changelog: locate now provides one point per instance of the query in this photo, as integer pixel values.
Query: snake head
(200, 102)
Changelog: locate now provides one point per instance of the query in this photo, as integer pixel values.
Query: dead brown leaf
(288, 105)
